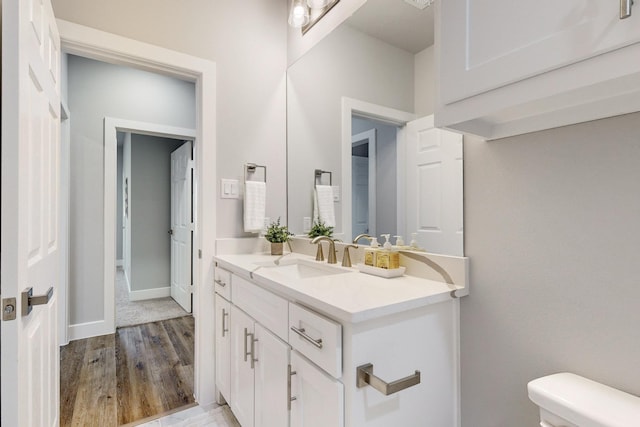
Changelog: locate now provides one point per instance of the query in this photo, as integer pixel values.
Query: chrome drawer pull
(301, 332)
(224, 326)
(220, 282)
(289, 397)
(365, 377)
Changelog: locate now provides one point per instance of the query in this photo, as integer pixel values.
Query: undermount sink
(301, 269)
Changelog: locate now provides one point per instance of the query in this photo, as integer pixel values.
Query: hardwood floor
(138, 372)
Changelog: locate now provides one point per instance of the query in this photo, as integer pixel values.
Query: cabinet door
(271, 372)
(242, 384)
(319, 399)
(490, 44)
(223, 347)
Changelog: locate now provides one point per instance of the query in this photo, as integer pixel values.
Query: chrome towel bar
(365, 377)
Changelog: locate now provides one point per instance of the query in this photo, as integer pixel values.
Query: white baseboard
(149, 294)
(119, 263)
(88, 330)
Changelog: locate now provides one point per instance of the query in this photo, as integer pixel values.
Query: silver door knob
(170, 232)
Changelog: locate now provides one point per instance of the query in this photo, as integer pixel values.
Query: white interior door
(181, 225)
(434, 187)
(30, 212)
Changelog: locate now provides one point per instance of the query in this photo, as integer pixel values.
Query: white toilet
(569, 400)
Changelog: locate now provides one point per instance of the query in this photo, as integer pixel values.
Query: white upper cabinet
(508, 68)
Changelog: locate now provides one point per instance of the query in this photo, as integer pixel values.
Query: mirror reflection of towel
(255, 193)
(323, 210)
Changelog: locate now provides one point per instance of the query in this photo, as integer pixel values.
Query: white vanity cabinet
(305, 373)
(317, 398)
(251, 362)
(508, 68)
(223, 347)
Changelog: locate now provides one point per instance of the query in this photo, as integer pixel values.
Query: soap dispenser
(399, 242)
(370, 253)
(387, 258)
(414, 242)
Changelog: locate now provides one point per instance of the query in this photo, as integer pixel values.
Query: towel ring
(317, 175)
(250, 168)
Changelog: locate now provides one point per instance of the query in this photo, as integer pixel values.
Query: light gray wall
(248, 44)
(97, 90)
(150, 210)
(425, 82)
(119, 211)
(552, 228)
(347, 63)
(386, 173)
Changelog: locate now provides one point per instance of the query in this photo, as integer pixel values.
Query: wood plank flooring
(138, 372)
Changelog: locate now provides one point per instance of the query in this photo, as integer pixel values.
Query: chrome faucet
(331, 259)
(360, 236)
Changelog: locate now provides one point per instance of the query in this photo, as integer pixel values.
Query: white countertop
(350, 297)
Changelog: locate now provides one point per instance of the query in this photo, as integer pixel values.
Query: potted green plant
(277, 234)
(320, 229)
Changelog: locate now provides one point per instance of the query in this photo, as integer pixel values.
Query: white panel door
(319, 399)
(492, 44)
(181, 225)
(29, 390)
(271, 373)
(434, 187)
(242, 369)
(223, 347)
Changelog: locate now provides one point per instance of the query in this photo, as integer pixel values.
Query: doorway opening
(154, 249)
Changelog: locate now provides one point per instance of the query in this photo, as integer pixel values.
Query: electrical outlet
(336, 193)
(306, 224)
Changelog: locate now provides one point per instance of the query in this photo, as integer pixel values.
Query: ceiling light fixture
(420, 4)
(299, 14)
(305, 13)
(317, 4)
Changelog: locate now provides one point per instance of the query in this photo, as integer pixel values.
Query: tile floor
(197, 416)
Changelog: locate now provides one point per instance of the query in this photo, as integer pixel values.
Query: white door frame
(359, 139)
(91, 43)
(113, 125)
(368, 110)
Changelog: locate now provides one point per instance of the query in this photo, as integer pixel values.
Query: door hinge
(9, 309)
(199, 253)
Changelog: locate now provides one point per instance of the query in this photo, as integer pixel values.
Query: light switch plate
(229, 189)
(336, 193)
(306, 224)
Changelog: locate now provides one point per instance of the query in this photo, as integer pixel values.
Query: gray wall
(150, 210)
(97, 90)
(552, 228)
(248, 45)
(119, 208)
(386, 173)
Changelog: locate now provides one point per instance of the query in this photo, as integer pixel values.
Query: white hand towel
(323, 210)
(255, 193)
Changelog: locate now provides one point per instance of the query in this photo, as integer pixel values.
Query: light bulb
(317, 4)
(298, 16)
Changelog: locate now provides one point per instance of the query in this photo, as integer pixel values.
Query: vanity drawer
(222, 282)
(266, 308)
(316, 337)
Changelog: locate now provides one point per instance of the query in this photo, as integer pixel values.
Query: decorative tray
(381, 272)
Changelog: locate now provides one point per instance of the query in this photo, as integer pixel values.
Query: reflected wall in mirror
(365, 81)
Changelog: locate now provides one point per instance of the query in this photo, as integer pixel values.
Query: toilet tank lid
(585, 402)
